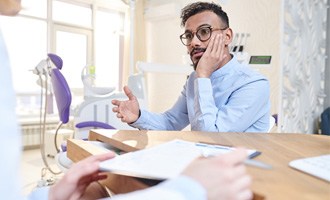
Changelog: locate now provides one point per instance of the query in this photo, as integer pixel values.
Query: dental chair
(63, 100)
(49, 69)
(97, 112)
(92, 113)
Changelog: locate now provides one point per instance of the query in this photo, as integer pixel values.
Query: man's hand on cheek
(212, 57)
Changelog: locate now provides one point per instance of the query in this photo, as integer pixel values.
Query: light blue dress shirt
(234, 99)
(180, 188)
(10, 137)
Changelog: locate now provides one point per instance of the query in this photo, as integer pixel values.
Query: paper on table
(163, 161)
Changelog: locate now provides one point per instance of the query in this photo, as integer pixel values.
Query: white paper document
(163, 161)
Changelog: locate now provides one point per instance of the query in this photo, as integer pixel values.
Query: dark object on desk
(149, 182)
(325, 122)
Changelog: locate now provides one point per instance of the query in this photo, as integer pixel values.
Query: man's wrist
(137, 118)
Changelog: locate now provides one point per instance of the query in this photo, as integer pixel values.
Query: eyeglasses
(203, 34)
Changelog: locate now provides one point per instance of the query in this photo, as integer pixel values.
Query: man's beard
(192, 53)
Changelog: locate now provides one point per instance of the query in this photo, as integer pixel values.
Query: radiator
(31, 134)
(30, 129)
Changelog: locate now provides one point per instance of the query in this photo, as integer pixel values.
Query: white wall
(163, 46)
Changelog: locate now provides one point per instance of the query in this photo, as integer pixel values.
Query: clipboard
(163, 161)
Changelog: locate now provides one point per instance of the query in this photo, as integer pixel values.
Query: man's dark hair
(198, 7)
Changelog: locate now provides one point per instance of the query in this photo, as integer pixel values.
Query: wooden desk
(280, 183)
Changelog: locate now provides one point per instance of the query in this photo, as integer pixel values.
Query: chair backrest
(56, 60)
(62, 94)
(325, 122)
(272, 122)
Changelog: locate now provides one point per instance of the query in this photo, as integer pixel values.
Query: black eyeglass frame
(198, 36)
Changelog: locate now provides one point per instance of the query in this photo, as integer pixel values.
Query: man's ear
(229, 36)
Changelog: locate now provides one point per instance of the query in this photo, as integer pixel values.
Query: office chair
(325, 122)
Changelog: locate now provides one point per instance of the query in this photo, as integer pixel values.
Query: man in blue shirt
(221, 95)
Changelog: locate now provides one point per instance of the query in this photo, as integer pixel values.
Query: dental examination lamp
(91, 90)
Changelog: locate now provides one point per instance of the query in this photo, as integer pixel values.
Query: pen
(256, 163)
(250, 162)
(212, 146)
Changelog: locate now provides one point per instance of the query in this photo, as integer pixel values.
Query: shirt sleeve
(175, 118)
(39, 193)
(180, 188)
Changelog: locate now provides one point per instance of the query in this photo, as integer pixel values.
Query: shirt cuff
(141, 120)
(188, 187)
(203, 85)
(39, 193)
